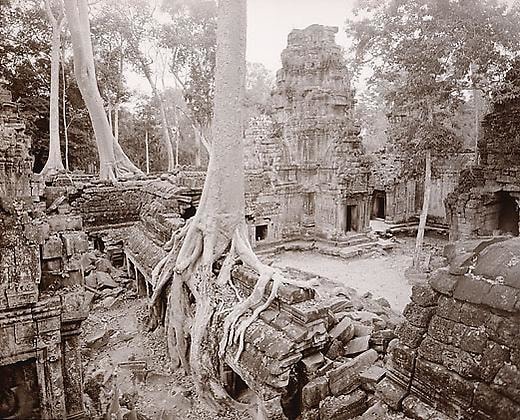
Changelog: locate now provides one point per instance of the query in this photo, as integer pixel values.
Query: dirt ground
(380, 275)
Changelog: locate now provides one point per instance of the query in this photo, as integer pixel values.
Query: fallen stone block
(315, 391)
(361, 330)
(97, 339)
(313, 362)
(391, 393)
(357, 345)
(344, 407)
(372, 375)
(344, 330)
(104, 280)
(345, 378)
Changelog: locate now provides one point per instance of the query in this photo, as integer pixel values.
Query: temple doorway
(507, 213)
(352, 219)
(379, 205)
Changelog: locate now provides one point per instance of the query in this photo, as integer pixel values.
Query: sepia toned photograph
(260, 209)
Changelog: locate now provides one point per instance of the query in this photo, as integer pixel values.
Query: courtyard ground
(381, 275)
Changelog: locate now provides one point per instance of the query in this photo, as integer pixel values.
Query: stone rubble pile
(322, 355)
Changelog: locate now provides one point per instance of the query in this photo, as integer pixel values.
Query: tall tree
(423, 51)
(217, 230)
(113, 162)
(56, 18)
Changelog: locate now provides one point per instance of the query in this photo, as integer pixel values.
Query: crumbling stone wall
(458, 354)
(41, 293)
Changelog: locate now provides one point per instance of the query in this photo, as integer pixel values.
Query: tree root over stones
(196, 304)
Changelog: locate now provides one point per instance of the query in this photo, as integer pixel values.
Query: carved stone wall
(459, 350)
(41, 290)
(308, 174)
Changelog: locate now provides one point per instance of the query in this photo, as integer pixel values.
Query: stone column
(72, 372)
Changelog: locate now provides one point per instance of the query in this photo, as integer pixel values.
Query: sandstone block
(391, 393)
(417, 315)
(443, 282)
(357, 345)
(52, 248)
(502, 297)
(313, 362)
(314, 392)
(62, 222)
(409, 334)
(344, 330)
(75, 243)
(344, 407)
(424, 295)
(345, 378)
(471, 289)
(403, 358)
(372, 375)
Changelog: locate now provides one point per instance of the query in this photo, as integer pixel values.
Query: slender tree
(56, 18)
(113, 162)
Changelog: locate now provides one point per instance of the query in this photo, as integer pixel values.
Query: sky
(270, 21)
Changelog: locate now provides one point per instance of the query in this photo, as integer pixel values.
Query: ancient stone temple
(308, 174)
(458, 351)
(41, 293)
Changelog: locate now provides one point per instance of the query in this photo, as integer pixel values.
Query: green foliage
(421, 51)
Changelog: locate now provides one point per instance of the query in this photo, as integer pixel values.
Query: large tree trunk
(424, 213)
(54, 163)
(113, 162)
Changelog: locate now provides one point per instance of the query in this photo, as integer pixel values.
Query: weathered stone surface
(449, 308)
(344, 330)
(502, 297)
(459, 265)
(507, 381)
(424, 295)
(345, 378)
(343, 407)
(391, 393)
(357, 345)
(409, 334)
(417, 315)
(372, 375)
(443, 282)
(314, 392)
(471, 289)
(499, 406)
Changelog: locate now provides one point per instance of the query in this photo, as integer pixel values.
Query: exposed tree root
(193, 302)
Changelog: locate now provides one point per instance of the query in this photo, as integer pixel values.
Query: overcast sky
(270, 21)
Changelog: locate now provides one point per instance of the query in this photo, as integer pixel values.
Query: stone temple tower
(320, 169)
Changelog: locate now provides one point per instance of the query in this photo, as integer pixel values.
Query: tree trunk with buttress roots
(113, 162)
(54, 163)
(187, 293)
